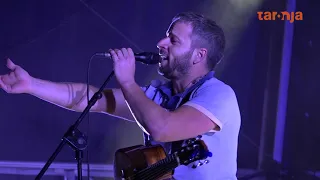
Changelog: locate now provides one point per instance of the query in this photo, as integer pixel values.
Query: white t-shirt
(215, 99)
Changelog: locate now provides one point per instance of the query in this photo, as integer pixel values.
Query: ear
(200, 55)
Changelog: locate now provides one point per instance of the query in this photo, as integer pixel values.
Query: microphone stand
(75, 138)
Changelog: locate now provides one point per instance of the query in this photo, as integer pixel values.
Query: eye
(173, 40)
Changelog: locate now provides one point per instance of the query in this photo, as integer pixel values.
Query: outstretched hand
(16, 81)
(124, 65)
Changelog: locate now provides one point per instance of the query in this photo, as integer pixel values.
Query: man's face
(176, 51)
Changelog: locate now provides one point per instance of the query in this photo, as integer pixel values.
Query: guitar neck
(158, 169)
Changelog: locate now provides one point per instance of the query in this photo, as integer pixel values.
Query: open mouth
(163, 61)
(164, 58)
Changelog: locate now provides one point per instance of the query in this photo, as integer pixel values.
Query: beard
(180, 66)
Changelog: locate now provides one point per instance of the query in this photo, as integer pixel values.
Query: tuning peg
(190, 141)
(198, 137)
(200, 163)
(197, 165)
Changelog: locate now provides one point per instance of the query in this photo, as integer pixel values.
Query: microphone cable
(88, 70)
(88, 125)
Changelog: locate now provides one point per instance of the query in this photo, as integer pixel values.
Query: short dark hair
(205, 33)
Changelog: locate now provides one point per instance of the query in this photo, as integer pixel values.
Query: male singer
(193, 102)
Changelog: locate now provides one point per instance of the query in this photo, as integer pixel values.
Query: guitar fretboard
(158, 169)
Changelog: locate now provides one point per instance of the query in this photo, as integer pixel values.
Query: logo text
(284, 15)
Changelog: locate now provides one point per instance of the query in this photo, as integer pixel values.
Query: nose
(163, 43)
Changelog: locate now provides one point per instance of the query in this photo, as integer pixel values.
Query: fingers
(1, 83)
(130, 52)
(10, 64)
(121, 54)
(8, 79)
(124, 52)
(114, 56)
(3, 86)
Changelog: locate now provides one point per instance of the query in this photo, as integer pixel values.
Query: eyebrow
(170, 33)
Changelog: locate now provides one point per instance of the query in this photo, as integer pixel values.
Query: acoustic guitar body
(152, 163)
(128, 161)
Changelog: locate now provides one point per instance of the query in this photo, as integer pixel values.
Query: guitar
(151, 163)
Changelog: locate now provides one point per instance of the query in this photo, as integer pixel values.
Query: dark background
(54, 40)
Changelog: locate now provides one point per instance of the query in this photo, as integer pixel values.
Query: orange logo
(284, 15)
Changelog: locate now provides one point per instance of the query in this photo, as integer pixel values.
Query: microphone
(144, 57)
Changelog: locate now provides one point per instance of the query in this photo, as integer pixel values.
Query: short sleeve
(217, 101)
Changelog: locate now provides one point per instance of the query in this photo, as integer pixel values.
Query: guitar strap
(176, 145)
(174, 102)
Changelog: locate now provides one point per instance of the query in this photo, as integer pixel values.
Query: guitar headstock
(194, 150)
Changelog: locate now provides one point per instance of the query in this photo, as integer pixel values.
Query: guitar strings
(168, 168)
(172, 163)
(144, 172)
(158, 171)
(169, 158)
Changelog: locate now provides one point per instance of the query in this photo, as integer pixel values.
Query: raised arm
(71, 96)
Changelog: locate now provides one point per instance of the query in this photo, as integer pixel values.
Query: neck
(186, 81)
